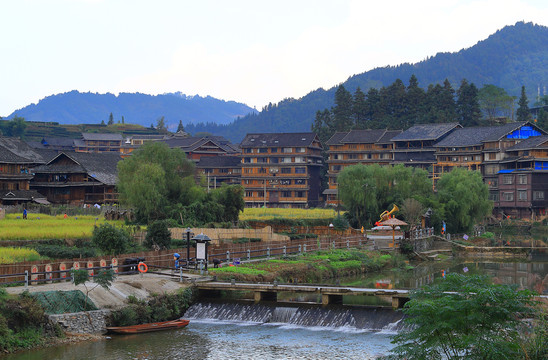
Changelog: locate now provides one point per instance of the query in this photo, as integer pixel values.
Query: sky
(253, 52)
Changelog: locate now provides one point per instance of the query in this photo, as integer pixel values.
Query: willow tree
(153, 178)
(366, 191)
(464, 198)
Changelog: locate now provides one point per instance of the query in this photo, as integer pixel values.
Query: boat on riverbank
(150, 327)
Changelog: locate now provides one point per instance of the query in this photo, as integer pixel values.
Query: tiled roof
(426, 132)
(101, 166)
(219, 162)
(467, 136)
(531, 143)
(20, 195)
(17, 151)
(503, 130)
(336, 138)
(102, 136)
(388, 136)
(57, 142)
(278, 139)
(363, 136)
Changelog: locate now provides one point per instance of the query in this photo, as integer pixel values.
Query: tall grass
(280, 213)
(40, 226)
(10, 255)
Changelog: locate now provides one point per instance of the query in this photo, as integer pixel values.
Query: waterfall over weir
(333, 317)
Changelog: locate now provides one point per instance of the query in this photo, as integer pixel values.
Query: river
(235, 330)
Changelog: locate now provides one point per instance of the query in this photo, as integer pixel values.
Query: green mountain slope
(514, 56)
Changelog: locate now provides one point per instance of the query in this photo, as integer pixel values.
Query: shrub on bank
(158, 308)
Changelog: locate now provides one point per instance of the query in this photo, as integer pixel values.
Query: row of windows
(274, 160)
(508, 179)
(282, 194)
(295, 170)
(361, 156)
(460, 158)
(265, 150)
(522, 195)
(276, 181)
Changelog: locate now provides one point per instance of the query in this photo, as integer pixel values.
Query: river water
(239, 330)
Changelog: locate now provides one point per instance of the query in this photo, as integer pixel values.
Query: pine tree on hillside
(523, 113)
(180, 128)
(468, 109)
(342, 111)
(110, 119)
(359, 109)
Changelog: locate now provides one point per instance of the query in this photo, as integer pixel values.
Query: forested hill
(514, 56)
(91, 108)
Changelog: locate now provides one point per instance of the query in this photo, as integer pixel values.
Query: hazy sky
(253, 52)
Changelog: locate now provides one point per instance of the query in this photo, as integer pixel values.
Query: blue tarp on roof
(507, 171)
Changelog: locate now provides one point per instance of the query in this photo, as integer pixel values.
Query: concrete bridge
(329, 294)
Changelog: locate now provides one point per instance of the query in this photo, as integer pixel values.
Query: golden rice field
(40, 226)
(10, 255)
(279, 213)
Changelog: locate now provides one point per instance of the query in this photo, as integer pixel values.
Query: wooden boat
(158, 326)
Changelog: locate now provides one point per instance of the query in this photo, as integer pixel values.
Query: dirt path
(140, 286)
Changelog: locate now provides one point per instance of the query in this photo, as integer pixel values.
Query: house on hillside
(78, 178)
(219, 170)
(99, 143)
(415, 146)
(523, 180)
(17, 159)
(281, 169)
(197, 147)
(356, 147)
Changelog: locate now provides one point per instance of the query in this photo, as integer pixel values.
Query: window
(335, 156)
(286, 170)
(492, 156)
(287, 150)
(300, 170)
(508, 196)
(286, 160)
(522, 195)
(352, 156)
(286, 194)
(249, 193)
(508, 179)
(300, 150)
(262, 171)
(274, 160)
(538, 195)
(493, 183)
(262, 160)
(247, 160)
(494, 196)
(522, 179)
(285, 182)
(336, 168)
(274, 150)
(248, 171)
(299, 194)
(263, 150)
(248, 151)
(300, 182)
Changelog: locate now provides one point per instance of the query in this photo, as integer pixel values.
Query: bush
(110, 240)
(64, 252)
(158, 236)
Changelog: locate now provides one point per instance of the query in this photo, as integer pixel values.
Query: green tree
(342, 111)
(464, 198)
(15, 127)
(494, 102)
(104, 278)
(180, 128)
(366, 191)
(468, 108)
(110, 119)
(464, 317)
(231, 197)
(158, 235)
(523, 113)
(152, 179)
(542, 120)
(415, 101)
(110, 239)
(161, 125)
(359, 109)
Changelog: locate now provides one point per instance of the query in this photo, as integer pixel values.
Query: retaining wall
(91, 322)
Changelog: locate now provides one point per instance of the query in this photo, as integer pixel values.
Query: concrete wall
(91, 322)
(217, 235)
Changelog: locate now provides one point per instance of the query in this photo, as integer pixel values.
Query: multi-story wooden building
(99, 143)
(494, 151)
(415, 146)
(218, 170)
(356, 147)
(523, 180)
(197, 147)
(17, 159)
(281, 169)
(78, 178)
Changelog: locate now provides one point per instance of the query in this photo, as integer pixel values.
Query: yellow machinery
(386, 214)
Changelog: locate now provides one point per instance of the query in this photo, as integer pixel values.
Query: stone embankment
(91, 322)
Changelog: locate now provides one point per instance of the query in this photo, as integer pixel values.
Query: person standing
(24, 213)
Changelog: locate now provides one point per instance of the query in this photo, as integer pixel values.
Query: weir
(304, 315)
